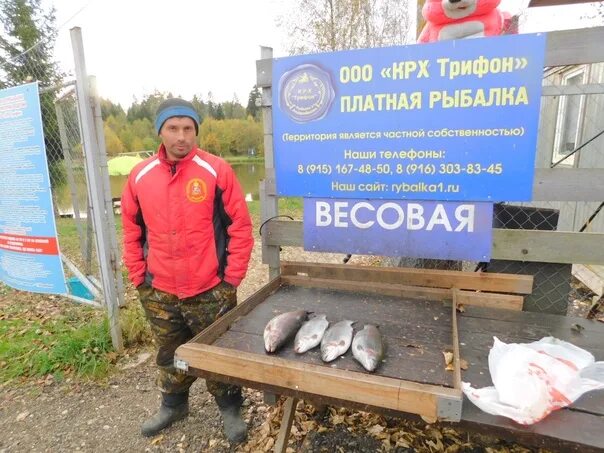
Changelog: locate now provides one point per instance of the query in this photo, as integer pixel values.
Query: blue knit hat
(175, 107)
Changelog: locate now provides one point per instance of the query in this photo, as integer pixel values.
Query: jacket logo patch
(197, 190)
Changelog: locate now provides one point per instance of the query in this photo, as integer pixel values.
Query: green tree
(200, 106)
(233, 109)
(117, 122)
(26, 45)
(108, 108)
(147, 107)
(231, 137)
(137, 144)
(210, 135)
(208, 138)
(127, 137)
(211, 106)
(112, 142)
(143, 128)
(248, 135)
(219, 112)
(150, 143)
(252, 108)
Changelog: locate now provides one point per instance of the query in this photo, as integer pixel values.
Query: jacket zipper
(173, 232)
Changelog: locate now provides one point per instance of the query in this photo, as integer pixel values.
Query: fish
(336, 340)
(310, 334)
(368, 348)
(281, 328)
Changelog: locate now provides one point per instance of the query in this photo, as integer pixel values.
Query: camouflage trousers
(174, 322)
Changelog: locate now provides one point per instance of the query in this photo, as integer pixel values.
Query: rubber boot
(172, 409)
(234, 427)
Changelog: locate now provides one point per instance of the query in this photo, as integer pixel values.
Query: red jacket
(186, 225)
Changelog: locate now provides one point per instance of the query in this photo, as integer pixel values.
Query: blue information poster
(454, 120)
(29, 251)
(429, 229)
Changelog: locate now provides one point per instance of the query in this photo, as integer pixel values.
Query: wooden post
(455, 340)
(269, 201)
(289, 410)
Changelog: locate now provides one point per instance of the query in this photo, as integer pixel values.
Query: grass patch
(135, 328)
(291, 206)
(32, 348)
(243, 159)
(68, 235)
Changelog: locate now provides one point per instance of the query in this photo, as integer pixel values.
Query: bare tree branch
(330, 25)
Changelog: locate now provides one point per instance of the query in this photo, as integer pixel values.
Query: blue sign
(454, 120)
(428, 229)
(29, 250)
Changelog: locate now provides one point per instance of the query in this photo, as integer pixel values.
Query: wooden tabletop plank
(427, 338)
(358, 307)
(480, 332)
(468, 297)
(365, 388)
(477, 329)
(412, 364)
(525, 318)
(435, 278)
(429, 329)
(564, 430)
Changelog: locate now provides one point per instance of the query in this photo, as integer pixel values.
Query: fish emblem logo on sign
(306, 93)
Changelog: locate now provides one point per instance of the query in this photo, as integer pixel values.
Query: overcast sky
(188, 47)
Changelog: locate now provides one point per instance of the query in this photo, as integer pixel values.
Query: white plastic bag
(531, 380)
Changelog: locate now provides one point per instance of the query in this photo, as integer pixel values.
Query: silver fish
(310, 334)
(281, 328)
(336, 340)
(367, 347)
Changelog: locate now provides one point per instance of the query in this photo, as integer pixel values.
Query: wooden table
(578, 428)
(412, 379)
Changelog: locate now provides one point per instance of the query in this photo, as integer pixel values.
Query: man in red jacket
(187, 244)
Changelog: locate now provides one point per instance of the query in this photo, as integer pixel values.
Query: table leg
(289, 410)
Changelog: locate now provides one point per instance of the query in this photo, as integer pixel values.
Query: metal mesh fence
(571, 135)
(70, 194)
(65, 157)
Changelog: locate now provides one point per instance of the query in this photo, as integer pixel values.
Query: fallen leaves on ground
(357, 426)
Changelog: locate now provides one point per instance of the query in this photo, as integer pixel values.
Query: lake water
(249, 175)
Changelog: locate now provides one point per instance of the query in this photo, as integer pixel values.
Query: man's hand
(144, 290)
(226, 296)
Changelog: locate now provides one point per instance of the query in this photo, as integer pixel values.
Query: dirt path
(100, 417)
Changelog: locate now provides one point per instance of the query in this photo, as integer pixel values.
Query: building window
(569, 123)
